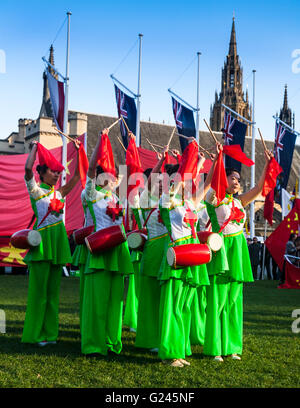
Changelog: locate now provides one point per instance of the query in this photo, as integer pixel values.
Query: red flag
(292, 276)
(47, 158)
(237, 153)
(276, 242)
(105, 156)
(219, 179)
(273, 170)
(166, 161)
(269, 207)
(83, 164)
(189, 160)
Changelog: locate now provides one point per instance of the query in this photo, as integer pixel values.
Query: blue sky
(102, 33)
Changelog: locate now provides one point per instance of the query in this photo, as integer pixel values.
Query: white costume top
(149, 203)
(98, 202)
(40, 196)
(223, 212)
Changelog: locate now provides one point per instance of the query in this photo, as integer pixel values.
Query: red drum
(136, 239)
(212, 239)
(188, 255)
(105, 239)
(80, 234)
(26, 238)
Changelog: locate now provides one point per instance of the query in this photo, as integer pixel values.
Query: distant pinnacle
(285, 100)
(232, 45)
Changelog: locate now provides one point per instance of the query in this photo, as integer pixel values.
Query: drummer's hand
(219, 147)
(159, 156)
(32, 144)
(77, 143)
(131, 135)
(105, 131)
(191, 139)
(165, 150)
(201, 156)
(175, 152)
(268, 155)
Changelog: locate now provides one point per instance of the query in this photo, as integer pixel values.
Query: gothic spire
(285, 100)
(232, 44)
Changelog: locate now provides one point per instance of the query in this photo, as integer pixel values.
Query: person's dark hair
(171, 168)
(292, 236)
(231, 170)
(147, 172)
(99, 170)
(41, 170)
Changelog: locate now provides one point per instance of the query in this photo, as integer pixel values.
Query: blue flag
(234, 133)
(184, 119)
(126, 107)
(283, 152)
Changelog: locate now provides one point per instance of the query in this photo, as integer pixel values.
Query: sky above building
(102, 34)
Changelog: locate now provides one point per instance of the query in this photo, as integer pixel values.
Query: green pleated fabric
(80, 255)
(116, 260)
(132, 299)
(41, 320)
(224, 317)
(148, 315)
(153, 254)
(237, 253)
(54, 246)
(175, 319)
(193, 275)
(198, 316)
(102, 308)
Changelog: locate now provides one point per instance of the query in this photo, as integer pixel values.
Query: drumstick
(173, 132)
(125, 124)
(151, 145)
(112, 125)
(262, 140)
(121, 143)
(68, 137)
(210, 131)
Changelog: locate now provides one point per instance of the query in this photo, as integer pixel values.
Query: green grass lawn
(271, 356)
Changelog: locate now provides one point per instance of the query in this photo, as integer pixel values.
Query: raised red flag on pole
(105, 155)
(219, 179)
(273, 170)
(189, 160)
(236, 153)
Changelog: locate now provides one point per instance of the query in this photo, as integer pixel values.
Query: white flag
(287, 202)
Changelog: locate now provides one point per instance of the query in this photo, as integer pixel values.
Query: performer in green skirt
(178, 285)
(104, 275)
(45, 261)
(229, 269)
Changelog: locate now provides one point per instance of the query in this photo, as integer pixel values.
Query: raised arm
(65, 190)
(93, 161)
(250, 195)
(30, 161)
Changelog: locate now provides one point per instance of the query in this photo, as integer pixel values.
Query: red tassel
(83, 164)
(219, 180)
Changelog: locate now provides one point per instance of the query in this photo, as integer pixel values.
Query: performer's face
(233, 183)
(51, 177)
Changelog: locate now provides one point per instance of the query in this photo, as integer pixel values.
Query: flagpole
(65, 129)
(198, 94)
(252, 212)
(264, 251)
(138, 103)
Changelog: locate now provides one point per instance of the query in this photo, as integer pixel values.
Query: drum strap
(149, 215)
(31, 221)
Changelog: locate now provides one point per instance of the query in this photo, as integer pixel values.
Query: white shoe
(154, 350)
(235, 357)
(176, 363)
(184, 362)
(132, 330)
(44, 343)
(219, 358)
